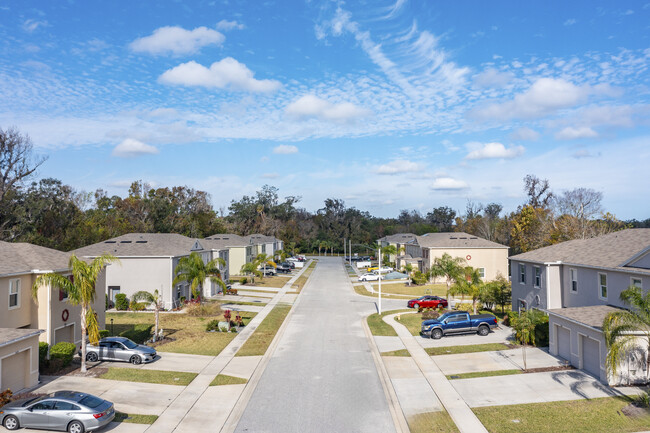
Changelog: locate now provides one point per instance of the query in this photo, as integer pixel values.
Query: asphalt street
(322, 377)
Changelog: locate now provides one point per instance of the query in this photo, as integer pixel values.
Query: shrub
(139, 333)
(63, 351)
(212, 325)
(203, 310)
(513, 315)
(464, 306)
(5, 397)
(42, 353)
(233, 329)
(429, 314)
(103, 333)
(183, 299)
(243, 280)
(231, 291)
(541, 332)
(136, 306)
(419, 278)
(121, 302)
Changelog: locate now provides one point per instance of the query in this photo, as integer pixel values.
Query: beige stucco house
(240, 250)
(399, 241)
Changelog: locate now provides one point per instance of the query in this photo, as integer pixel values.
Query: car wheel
(416, 306)
(11, 423)
(92, 357)
(76, 427)
(483, 330)
(436, 334)
(135, 360)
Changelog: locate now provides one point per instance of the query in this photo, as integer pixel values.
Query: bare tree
(583, 204)
(16, 160)
(538, 191)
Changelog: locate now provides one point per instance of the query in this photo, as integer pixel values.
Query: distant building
(397, 240)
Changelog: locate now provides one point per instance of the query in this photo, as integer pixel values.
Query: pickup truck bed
(457, 322)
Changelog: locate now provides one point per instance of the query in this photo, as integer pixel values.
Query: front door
(112, 291)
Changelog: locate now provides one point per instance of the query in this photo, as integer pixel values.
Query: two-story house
(578, 283)
(399, 241)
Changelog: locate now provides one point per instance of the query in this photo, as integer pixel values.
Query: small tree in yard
(192, 269)
(449, 267)
(264, 260)
(497, 292)
(151, 298)
(524, 327)
(81, 291)
(408, 268)
(250, 268)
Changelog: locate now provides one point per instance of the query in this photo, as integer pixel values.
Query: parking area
(502, 334)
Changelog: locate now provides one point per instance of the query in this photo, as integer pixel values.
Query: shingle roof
(398, 237)
(591, 316)
(24, 257)
(223, 241)
(609, 251)
(140, 244)
(454, 240)
(11, 335)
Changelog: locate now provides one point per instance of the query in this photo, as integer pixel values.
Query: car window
(91, 401)
(64, 405)
(44, 405)
(130, 344)
(104, 344)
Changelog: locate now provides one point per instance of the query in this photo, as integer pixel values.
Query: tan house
(21, 318)
(490, 258)
(399, 241)
(240, 250)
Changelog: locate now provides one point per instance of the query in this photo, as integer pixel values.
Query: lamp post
(379, 270)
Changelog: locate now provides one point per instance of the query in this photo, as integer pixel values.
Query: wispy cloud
(572, 133)
(312, 106)
(524, 134)
(31, 25)
(225, 25)
(285, 149)
(399, 166)
(570, 22)
(448, 184)
(177, 40)
(131, 148)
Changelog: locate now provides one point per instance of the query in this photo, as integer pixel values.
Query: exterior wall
(29, 345)
(413, 250)
(133, 274)
(547, 295)
(493, 260)
(237, 259)
(588, 286)
(21, 316)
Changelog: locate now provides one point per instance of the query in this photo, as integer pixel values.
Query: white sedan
(369, 277)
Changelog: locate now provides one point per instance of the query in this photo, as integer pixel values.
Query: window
(64, 405)
(538, 276)
(573, 273)
(636, 282)
(602, 286)
(14, 294)
(481, 272)
(522, 273)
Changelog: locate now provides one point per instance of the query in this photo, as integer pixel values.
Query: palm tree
(623, 329)
(150, 298)
(263, 260)
(471, 285)
(250, 268)
(281, 254)
(291, 246)
(388, 251)
(81, 291)
(449, 267)
(408, 268)
(193, 270)
(524, 327)
(322, 244)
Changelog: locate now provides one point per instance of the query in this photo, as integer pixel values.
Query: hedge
(121, 303)
(103, 333)
(139, 334)
(63, 351)
(42, 353)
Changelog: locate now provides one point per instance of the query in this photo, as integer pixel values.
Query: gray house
(399, 241)
(578, 283)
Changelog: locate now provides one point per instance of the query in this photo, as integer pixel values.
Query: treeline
(55, 215)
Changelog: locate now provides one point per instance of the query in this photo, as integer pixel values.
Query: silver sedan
(120, 349)
(75, 412)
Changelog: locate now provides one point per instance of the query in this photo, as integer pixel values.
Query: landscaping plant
(121, 302)
(524, 327)
(191, 269)
(152, 299)
(449, 267)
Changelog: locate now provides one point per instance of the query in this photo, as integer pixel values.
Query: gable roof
(398, 237)
(224, 240)
(23, 258)
(613, 250)
(454, 240)
(260, 239)
(141, 245)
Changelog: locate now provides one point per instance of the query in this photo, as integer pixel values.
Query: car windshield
(32, 400)
(129, 344)
(91, 401)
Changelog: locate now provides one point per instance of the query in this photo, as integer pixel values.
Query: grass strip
(134, 418)
(149, 376)
(602, 415)
(361, 290)
(483, 374)
(413, 322)
(259, 342)
(302, 280)
(400, 352)
(246, 303)
(428, 422)
(223, 379)
(413, 291)
(448, 350)
(380, 328)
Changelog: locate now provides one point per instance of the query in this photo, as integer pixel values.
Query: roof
(140, 245)
(11, 335)
(258, 238)
(223, 240)
(592, 316)
(613, 250)
(454, 240)
(18, 258)
(398, 237)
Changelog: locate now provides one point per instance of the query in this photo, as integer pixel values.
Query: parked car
(427, 301)
(268, 270)
(70, 411)
(283, 268)
(292, 265)
(369, 277)
(119, 349)
(456, 322)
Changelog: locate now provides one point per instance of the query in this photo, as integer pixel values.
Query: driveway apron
(321, 377)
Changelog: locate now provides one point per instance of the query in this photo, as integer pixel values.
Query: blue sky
(388, 105)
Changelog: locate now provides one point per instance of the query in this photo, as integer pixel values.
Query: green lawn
(259, 342)
(483, 374)
(275, 281)
(361, 290)
(413, 322)
(149, 376)
(302, 280)
(432, 422)
(379, 327)
(188, 332)
(400, 352)
(134, 418)
(602, 415)
(448, 350)
(413, 291)
(223, 379)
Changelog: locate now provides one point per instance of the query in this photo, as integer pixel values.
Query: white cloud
(492, 151)
(270, 176)
(524, 133)
(225, 25)
(448, 184)
(571, 133)
(227, 72)
(31, 25)
(493, 78)
(312, 106)
(399, 166)
(285, 149)
(177, 40)
(570, 22)
(131, 148)
(584, 154)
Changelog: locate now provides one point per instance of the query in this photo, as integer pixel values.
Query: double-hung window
(602, 286)
(636, 282)
(481, 272)
(14, 294)
(522, 273)
(573, 274)
(538, 277)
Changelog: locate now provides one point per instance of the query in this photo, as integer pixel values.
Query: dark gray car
(75, 412)
(119, 349)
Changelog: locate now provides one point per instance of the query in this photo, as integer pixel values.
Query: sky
(387, 105)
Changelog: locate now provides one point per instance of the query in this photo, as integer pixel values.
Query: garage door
(591, 356)
(563, 343)
(14, 371)
(64, 334)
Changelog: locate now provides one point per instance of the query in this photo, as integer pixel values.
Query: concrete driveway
(166, 361)
(114, 427)
(503, 334)
(499, 360)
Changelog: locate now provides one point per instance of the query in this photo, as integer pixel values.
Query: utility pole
(343, 250)
(379, 307)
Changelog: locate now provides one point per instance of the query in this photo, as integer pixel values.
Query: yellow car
(374, 268)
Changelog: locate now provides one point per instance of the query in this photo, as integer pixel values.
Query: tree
(524, 327)
(264, 260)
(193, 270)
(469, 284)
(409, 269)
(281, 254)
(497, 292)
(81, 291)
(388, 251)
(150, 298)
(623, 329)
(442, 217)
(16, 160)
(538, 191)
(250, 268)
(449, 267)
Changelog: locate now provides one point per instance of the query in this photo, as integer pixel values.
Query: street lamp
(379, 270)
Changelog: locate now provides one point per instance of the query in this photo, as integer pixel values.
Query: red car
(427, 301)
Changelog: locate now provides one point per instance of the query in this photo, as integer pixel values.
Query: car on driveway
(427, 301)
(370, 276)
(119, 349)
(70, 411)
(458, 322)
(283, 269)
